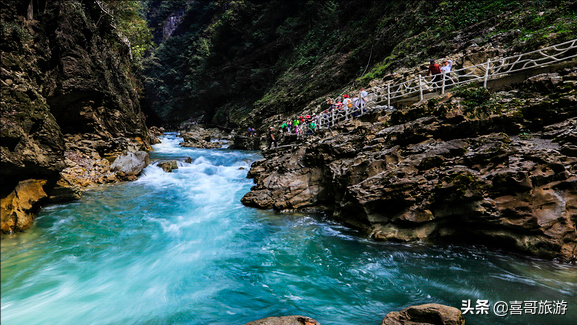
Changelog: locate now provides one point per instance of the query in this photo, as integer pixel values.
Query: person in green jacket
(312, 127)
(296, 123)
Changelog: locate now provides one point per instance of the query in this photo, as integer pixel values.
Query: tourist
(356, 102)
(339, 105)
(284, 126)
(446, 71)
(364, 96)
(347, 102)
(271, 138)
(312, 127)
(446, 68)
(330, 104)
(435, 70)
(251, 132)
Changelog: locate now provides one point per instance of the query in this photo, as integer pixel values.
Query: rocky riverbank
(469, 167)
(70, 106)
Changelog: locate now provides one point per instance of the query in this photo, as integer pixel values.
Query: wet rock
(196, 136)
(64, 192)
(188, 160)
(202, 144)
(427, 314)
(18, 209)
(168, 166)
(285, 320)
(130, 164)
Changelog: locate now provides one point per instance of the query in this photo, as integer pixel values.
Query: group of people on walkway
(305, 125)
(308, 124)
(300, 125)
(355, 105)
(438, 72)
(346, 102)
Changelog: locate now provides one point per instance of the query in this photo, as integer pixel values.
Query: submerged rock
(427, 314)
(285, 320)
(168, 166)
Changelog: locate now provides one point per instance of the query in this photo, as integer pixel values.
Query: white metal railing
(336, 116)
(492, 69)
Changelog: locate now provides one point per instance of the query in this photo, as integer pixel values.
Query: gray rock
(131, 163)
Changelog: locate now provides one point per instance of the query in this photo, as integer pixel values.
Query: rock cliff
(69, 97)
(470, 167)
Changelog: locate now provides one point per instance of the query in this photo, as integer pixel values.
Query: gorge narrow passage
(180, 248)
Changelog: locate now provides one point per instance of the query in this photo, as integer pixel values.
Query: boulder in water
(427, 314)
(168, 165)
(130, 164)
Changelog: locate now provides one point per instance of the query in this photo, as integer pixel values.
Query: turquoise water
(179, 248)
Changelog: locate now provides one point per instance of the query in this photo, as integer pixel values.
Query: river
(180, 248)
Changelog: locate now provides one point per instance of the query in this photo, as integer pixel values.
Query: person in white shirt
(446, 71)
(347, 101)
(364, 95)
(446, 68)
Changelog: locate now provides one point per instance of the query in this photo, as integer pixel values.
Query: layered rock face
(69, 97)
(501, 171)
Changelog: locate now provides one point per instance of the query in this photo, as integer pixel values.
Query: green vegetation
(230, 61)
(477, 102)
(129, 17)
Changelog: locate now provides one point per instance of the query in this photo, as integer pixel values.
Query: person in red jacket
(435, 70)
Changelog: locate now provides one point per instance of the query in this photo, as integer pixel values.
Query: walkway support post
(443, 88)
(486, 73)
(389, 95)
(421, 86)
(333, 117)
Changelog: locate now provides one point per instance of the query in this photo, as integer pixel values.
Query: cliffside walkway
(495, 68)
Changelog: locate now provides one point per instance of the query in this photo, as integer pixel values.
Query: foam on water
(179, 248)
